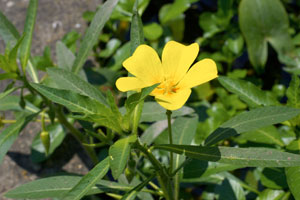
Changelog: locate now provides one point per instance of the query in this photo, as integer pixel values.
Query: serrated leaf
(88, 181)
(118, 155)
(248, 92)
(10, 134)
(69, 81)
(251, 120)
(251, 157)
(92, 34)
(28, 32)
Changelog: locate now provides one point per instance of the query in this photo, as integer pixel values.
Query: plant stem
(77, 134)
(164, 179)
(169, 113)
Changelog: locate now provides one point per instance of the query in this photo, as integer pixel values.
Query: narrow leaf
(8, 31)
(58, 186)
(250, 157)
(136, 29)
(130, 195)
(10, 134)
(118, 155)
(248, 92)
(88, 181)
(92, 34)
(75, 102)
(7, 92)
(69, 81)
(28, 32)
(251, 120)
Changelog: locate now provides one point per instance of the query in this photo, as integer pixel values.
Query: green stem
(169, 113)
(77, 134)
(163, 178)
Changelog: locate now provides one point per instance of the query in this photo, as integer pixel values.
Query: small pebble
(10, 4)
(77, 25)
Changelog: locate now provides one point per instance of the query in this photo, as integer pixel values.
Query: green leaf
(293, 180)
(273, 178)
(199, 168)
(130, 195)
(58, 186)
(28, 32)
(118, 155)
(92, 34)
(57, 135)
(136, 29)
(110, 48)
(134, 99)
(12, 103)
(251, 120)
(65, 57)
(250, 157)
(69, 81)
(262, 22)
(7, 92)
(152, 31)
(293, 92)
(88, 181)
(152, 111)
(75, 102)
(117, 59)
(230, 189)
(10, 134)
(153, 131)
(4, 76)
(271, 194)
(171, 11)
(248, 92)
(266, 135)
(8, 31)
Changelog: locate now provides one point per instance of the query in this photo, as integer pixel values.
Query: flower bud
(45, 138)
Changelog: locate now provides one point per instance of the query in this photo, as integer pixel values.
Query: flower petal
(173, 101)
(130, 83)
(177, 58)
(201, 72)
(145, 64)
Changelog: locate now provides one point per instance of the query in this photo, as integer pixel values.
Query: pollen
(165, 88)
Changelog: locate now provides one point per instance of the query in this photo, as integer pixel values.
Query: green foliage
(250, 114)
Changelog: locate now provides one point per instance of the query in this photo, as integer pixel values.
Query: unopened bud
(45, 138)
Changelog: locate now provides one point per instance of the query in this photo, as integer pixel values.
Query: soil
(54, 19)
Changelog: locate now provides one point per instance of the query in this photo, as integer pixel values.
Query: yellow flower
(173, 73)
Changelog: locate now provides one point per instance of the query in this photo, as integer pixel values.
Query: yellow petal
(177, 58)
(145, 65)
(130, 83)
(201, 72)
(173, 101)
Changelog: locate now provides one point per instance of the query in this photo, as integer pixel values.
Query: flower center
(166, 87)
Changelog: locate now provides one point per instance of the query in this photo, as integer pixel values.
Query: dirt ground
(54, 19)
